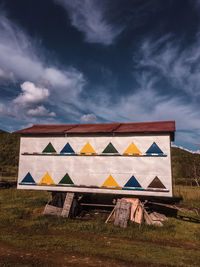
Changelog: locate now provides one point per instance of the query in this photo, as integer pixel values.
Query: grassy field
(190, 195)
(27, 238)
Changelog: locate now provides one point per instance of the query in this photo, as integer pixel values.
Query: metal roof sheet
(142, 127)
(46, 129)
(94, 128)
(162, 126)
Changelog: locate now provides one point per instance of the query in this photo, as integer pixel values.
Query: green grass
(23, 225)
(190, 195)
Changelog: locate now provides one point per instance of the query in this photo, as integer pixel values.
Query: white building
(115, 158)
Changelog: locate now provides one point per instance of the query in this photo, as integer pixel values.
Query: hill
(185, 165)
(9, 154)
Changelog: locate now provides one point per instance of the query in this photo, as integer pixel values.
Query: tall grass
(190, 195)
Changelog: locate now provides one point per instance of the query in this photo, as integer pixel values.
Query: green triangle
(49, 149)
(66, 180)
(110, 149)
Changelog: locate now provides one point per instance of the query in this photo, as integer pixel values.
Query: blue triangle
(28, 179)
(154, 149)
(132, 182)
(67, 149)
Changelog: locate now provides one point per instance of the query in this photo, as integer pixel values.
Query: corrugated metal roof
(94, 128)
(142, 127)
(46, 129)
(162, 126)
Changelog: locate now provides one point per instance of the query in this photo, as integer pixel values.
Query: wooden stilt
(122, 215)
(67, 204)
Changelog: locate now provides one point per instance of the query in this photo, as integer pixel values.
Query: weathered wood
(158, 217)
(67, 204)
(136, 214)
(139, 214)
(155, 220)
(122, 214)
(110, 215)
(147, 218)
(52, 210)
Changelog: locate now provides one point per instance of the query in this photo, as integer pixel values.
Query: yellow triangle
(47, 179)
(87, 149)
(132, 149)
(110, 181)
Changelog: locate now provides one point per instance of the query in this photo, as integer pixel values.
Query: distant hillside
(9, 153)
(184, 163)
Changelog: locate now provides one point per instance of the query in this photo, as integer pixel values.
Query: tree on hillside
(196, 173)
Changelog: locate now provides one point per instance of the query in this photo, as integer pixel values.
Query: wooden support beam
(52, 210)
(67, 204)
(123, 209)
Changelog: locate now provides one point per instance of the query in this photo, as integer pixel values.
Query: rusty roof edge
(153, 122)
(19, 131)
(74, 126)
(119, 124)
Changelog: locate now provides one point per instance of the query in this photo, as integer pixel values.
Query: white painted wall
(94, 170)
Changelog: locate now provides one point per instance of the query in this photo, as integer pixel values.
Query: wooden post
(122, 215)
(67, 204)
(111, 214)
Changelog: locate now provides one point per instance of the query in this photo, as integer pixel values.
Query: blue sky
(87, 61)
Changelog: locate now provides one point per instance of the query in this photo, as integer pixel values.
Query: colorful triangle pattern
(47, 179)
(156, 183)
(66, 180)
(154, 149)
(49, 149)
(28, 179)
(132, 149)
(110, 182)
(132, 182)
(87, 149)
(110, 149)
(67, 149)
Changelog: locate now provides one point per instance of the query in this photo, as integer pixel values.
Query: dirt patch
(12, 256)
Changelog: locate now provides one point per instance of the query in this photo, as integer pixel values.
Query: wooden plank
(52, 210)
(110, 215)
(155, 220)
(158, 217)
(122, 215)
(147, 218)
(67, 204)
(139, 214)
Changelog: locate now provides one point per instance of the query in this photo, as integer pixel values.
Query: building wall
(100, 173)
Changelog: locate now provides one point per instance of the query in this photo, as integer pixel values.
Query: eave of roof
(141, 127)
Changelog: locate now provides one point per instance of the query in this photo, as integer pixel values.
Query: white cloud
(180, 66)
(31, 94)
(40, 111)
(89, 17)
(147, 105)
(89, 118)
(22, 61)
